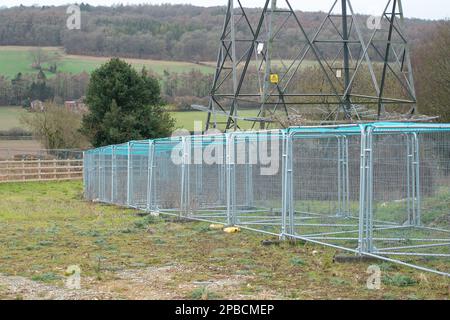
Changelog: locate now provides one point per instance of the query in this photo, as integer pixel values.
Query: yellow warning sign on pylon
(274, 78)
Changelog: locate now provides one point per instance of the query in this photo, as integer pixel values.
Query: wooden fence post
(39, 170)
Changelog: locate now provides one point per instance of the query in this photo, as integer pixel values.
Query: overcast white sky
(426, 9)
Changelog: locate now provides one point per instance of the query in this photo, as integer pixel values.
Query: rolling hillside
(15, 59)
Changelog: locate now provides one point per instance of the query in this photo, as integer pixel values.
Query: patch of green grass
(203, 229)
(144, 222)
(387, 266)
(46, 277)
(10, 117)
(203, 293)
(398, 280)
(339, 281)
(296, 261)
(159, 241)
(15, 61)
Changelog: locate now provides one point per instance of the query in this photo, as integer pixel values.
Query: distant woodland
(170, 32)
(181, 32)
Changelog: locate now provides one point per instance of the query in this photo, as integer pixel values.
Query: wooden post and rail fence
(40, 170)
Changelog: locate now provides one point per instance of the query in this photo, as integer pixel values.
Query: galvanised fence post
(418, 200)
(230, 179)
(113, 171)
(150, 175)
(362, 192)
(285, 192)
(129, 174)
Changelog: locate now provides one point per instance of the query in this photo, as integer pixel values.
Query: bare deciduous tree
(56, 128)
(40, 56)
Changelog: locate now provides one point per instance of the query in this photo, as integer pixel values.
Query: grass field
(10, 117)
(15, 59)
(46, 227)
(186, 120)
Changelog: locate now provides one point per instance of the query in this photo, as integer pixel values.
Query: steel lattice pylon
(338, 72)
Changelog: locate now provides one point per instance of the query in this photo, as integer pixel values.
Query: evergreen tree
(124, 105)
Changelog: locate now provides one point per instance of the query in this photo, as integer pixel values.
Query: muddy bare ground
(156, 283)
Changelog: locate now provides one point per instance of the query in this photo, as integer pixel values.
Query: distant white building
(37, 106)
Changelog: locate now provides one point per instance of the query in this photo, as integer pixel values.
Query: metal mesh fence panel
(324, 184)
(206, 185)
(168, 180)
(96, 176)
(255, 166)
(102, 175)
(139, 174)
(107, 174)
(410, 210)
(120, 176)
(380, 189)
